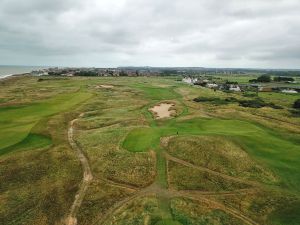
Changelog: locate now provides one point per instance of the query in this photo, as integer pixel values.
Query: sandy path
(87, 176)
(199, 196)
(104, 86)
(163, 110)
(235, 213)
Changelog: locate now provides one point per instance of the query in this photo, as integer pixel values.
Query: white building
(211, 85)
(234, 88)
(189, 80)
(289, 91)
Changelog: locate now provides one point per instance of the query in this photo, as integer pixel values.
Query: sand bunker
(104, 86)
(163, 110)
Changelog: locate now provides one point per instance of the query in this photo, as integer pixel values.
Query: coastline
(10, 76)
(7, 71)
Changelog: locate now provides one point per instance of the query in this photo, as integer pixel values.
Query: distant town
(213, 78)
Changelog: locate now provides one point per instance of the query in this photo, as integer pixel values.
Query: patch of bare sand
(163, 110)
(104, 86)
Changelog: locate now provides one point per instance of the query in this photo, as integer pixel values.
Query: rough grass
(185, 178)
(218, 154)
(265, 207)
(140, 211)
(189, 212)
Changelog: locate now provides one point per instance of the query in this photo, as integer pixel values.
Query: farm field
(88, 150)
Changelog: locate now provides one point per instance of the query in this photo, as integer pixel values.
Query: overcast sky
(210, 33)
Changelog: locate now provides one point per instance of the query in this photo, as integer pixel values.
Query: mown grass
(17, 121)
(31, 142)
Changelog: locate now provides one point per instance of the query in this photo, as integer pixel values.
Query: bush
(253, 81)
(86, 73)
(278, 79)
(264, 78)
(297, 104)
(216, 101)
(255, 103)
(258, 103)
(249, 94)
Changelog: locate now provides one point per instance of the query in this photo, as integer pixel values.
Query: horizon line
(115, 67)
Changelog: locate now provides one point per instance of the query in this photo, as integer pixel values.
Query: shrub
(255, 103)
(215, 101)
(86, 73)
(278, 79)
(253, 81)
(258, 103)
(297, 104)
(264, 78)
(249, 94)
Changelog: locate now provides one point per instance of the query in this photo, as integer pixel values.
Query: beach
(6, 71)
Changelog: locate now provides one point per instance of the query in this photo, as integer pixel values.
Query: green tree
(264, 78)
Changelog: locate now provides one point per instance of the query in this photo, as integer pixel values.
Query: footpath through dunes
(87, 176)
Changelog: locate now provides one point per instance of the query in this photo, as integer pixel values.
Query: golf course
(144, 150)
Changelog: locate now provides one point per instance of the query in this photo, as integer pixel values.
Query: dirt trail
(215, 204)
(245, 191)
(188, 164)
(143, 192)
(160, 192)
(120, 185)
(87, 176)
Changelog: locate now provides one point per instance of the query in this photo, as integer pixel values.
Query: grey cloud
(139, 32)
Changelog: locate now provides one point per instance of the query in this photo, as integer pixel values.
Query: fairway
(17, 121)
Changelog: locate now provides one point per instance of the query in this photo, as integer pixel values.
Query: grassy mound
(185, 178)
(188, 211)
(218, 154)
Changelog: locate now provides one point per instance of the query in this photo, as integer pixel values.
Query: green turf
(31, 142)
(17, 121)
(287, 215)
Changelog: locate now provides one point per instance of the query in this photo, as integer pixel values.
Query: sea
(6, 71)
